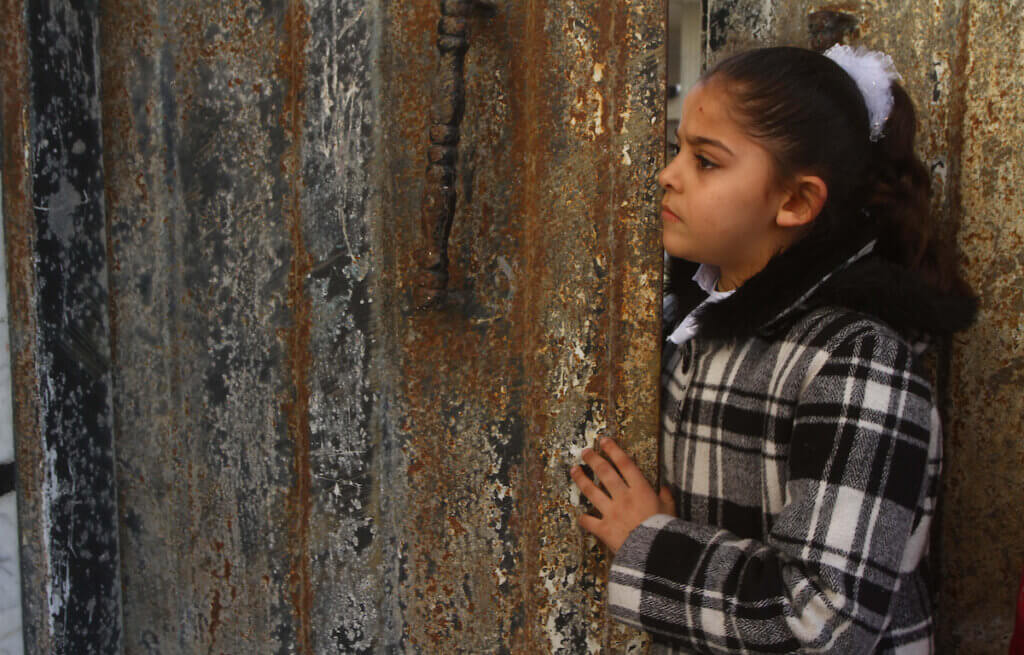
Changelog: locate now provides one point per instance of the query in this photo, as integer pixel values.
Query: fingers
(591, 524)
(605, 472)
(622, 507)
(587, 487)
(630, 473)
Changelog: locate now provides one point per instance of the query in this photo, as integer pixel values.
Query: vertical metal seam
(19, 235)
(299, 335)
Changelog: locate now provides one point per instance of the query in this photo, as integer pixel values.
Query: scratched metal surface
(960, 63)
(305, 463)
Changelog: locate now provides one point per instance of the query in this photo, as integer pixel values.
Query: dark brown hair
(812, 118)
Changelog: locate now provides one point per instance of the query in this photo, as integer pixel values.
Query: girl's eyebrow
(705, 141)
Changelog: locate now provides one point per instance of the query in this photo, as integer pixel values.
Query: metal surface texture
(548, 336)
(960, 63)
(242, 207)
(828, 27)
(56, 244)
(19, 235)
(305, 463)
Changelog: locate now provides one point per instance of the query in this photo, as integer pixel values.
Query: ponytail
(899, 193)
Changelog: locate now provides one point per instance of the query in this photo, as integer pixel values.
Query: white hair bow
(874, 73)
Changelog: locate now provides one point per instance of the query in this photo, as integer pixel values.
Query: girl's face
(721, 198)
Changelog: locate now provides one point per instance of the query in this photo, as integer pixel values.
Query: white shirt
(706, 278)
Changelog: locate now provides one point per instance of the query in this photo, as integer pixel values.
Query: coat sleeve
(863, 464)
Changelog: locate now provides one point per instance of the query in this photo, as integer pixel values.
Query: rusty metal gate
(305, 462)
(237, 432)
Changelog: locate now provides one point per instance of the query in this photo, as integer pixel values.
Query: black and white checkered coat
(801, 441)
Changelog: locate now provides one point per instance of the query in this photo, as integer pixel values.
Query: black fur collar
(846, 272)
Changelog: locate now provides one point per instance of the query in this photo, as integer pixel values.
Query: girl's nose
(668, 178)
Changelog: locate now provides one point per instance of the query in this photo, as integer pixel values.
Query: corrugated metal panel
(983, 527)
(306, 463)
(960, 63)
(243, 202)
(550, 334)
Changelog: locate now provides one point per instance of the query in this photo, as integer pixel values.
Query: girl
(800, 443)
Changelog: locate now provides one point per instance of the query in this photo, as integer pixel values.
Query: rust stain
(19, 232)
(215, 605)
(215, 608)
(614, 25)
(455, 526)
(531, 114)
(957, 111)
(291, 69)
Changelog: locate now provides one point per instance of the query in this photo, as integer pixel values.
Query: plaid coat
(801, 443)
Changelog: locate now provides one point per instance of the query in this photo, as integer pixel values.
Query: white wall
(10, 572)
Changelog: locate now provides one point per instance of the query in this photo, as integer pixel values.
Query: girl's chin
(676, 249)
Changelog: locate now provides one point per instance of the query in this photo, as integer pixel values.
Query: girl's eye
(704, 162)
(674, 149)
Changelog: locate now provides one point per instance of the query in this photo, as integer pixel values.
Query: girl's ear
(803, 202)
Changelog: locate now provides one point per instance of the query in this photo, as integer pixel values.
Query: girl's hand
(629, 501)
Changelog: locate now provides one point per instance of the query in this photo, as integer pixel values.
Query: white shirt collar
(706, 278)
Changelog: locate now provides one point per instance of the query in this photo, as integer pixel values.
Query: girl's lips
(669, 216)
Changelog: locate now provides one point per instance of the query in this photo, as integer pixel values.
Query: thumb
(668, 504)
